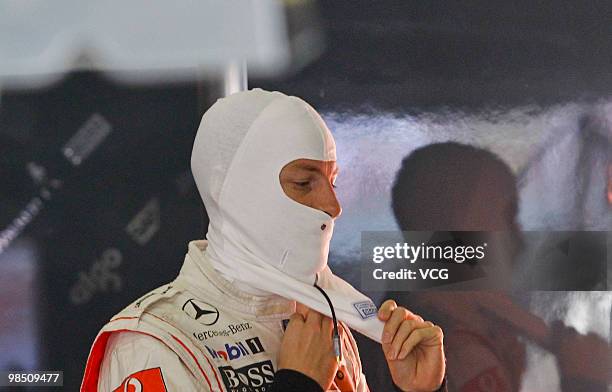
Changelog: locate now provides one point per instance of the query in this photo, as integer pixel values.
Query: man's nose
(330, 204)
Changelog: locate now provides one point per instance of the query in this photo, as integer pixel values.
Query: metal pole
(230, 79)
(235, 78)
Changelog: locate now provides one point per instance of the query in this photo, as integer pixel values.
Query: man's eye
(302, 183)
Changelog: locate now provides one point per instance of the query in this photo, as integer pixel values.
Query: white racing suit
(199, 333)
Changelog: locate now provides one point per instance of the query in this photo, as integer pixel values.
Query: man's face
(311, 183)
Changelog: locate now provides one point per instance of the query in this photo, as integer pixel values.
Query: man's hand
(414, 349)
(307, 346)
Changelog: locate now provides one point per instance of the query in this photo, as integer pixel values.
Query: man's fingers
(404, 330)
(302, 309)
(327, 326)
(296, 317)
(314, 319)
(386, 309)
(413, 316)
(418, 336)
(295, 321)
(393, 324)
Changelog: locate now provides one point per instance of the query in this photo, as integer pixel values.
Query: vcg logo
(252, 378)
(238, 349)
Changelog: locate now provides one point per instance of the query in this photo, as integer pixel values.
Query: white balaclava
(257, 234)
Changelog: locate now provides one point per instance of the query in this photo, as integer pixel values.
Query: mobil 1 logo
(256, 377)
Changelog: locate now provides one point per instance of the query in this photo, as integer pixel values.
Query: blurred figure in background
(444, 185)
(450, 186)
(456, 187)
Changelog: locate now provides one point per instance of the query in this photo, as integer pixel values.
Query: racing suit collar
(200, 277)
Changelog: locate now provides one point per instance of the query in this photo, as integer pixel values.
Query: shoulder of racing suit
(133, 359)
(146, 316)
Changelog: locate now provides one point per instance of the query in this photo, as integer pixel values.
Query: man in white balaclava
(255, 307)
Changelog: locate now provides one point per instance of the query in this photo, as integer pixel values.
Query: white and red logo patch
(150, 380)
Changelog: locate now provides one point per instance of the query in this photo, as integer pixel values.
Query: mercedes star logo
(204, 312)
